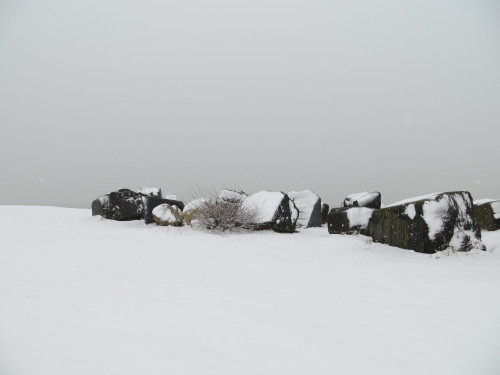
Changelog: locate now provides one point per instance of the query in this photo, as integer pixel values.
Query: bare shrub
(214, 213)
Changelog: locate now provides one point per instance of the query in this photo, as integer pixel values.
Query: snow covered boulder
(273, 210)
(121, 205)
(151, 192)
(349, 220)
(190, 210)
(166, 214)
(309, 206)
(151, 202)
(325, 208)
(487, 213)
(232, 196)
(428, 224)
(370, 200)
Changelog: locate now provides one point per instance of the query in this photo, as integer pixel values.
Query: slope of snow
(82, 295)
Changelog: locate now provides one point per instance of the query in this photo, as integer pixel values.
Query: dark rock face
(309, 205)
(429, 224)
(488, 214)
(370, 200)
(324, 212)
(98, 204)
(123, 205)
(349, 220)
(150, 203)
(273, 210)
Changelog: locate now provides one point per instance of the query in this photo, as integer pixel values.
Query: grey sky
(334, 96)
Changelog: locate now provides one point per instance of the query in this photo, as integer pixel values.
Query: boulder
(98, 204)
(349, 220)
(324, 212)
(232, 196)
(273, 210)
(122, 205)
(151, 192)
(364, 199)
(487, 213)
(190, 210)
(166, 214)
(309, 206)
(151, 202)
(428, 224)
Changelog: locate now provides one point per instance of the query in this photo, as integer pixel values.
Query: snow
(104, 199)
(410, 211)
(359, 216)
(194, 204)
(305, 201)
(170, 196)
(165, 213)
(265, 203)
(433, 213)
(497, 216)
(231, 196)
(483, 201)
(415, 199)
(81, 295)
(362, 198)
(149, 191)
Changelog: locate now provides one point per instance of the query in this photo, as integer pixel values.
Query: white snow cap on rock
(359, 216)
(154, 192)
(266, 204)
(167, 213)
(194, 204)
(363, 198)
(305, 201)
(232, 196)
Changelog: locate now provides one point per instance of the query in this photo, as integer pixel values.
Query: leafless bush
(220, 215)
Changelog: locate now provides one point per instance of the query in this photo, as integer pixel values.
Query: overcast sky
(338, 97)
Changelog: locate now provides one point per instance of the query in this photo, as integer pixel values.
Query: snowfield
(83, 295)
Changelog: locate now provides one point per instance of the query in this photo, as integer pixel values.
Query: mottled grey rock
(487, 213)
(151, 202)
(167, 215)
(428, 224)
(349, 220)
(123, 205)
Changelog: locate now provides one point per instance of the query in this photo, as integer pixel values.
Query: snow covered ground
(82, 295)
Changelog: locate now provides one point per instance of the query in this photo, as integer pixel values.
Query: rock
(428, 224)
(324, 212)
(274, 210)
(152, 192)
(370, 200)
(487, 213)
(98, 204)
(166, 214)
(190, 210)
(122, 205)
(151, 202)
(349, 220)
(232, 196)
(309, 206)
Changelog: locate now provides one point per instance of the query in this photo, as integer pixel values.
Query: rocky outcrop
(309, 206)
(232, 196)
(428, 224)
(149, 191)
(273, 210)
(370, 200)
(487, 213)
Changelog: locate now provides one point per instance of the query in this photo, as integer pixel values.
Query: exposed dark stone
(98, 204)
(123, 205)
(274, 210)
(349, 220)
(429, 224)
(324, 212)
(488, 214)
(151, 202)
(370, 200)
(309, 206)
